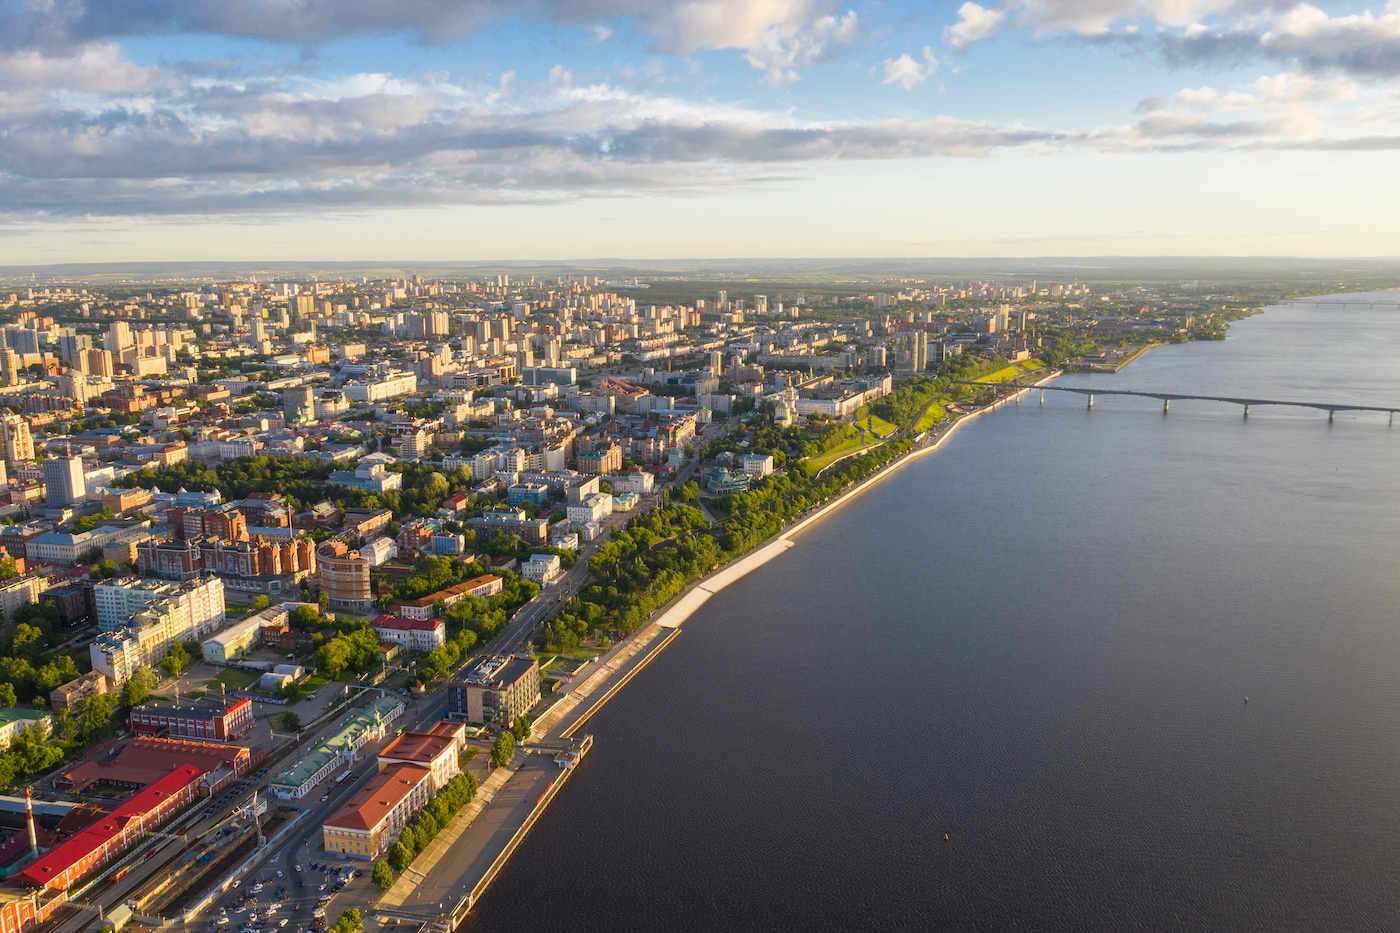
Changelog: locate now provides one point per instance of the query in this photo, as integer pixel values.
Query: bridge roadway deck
(1184, 396)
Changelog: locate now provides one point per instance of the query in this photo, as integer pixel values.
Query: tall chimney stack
(29, 812)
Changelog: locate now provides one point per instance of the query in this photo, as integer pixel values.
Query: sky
(360, 130)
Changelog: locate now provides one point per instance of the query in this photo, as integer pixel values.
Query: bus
(341, 780)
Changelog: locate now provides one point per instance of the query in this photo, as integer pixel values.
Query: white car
(222, 920)
(279, 873)
(298, 868)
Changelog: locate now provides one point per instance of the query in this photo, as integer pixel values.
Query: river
(1037, 641)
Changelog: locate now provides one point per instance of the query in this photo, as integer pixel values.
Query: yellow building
(372, 819)
(436, 751)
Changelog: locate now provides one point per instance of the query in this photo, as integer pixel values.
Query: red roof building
(104, 840)
(209, 718)
(437, 753)
(146, 759)
(425, 607)
(371, 820)
(413, 634)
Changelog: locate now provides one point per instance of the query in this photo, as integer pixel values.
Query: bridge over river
(1166, 398)
(1339, 303)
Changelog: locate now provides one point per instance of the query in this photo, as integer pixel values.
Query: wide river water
(1038, 641)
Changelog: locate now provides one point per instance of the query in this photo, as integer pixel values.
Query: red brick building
(104, 840)
(209, 719)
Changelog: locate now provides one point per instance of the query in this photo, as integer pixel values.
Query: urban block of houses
(593, 509)
(496, 690)
(207, 719)
(543, 569)
(166, 614)
(412, 768)
(369, 477)
(14, 720)
(510, 521)
(413, 634)
(336, 750)
(425, 607)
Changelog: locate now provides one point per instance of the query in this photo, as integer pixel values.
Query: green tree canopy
(503, 749)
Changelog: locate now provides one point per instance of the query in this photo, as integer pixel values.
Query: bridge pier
(1331, 416)
(1246, 411)
(1091, 402)
(1042, 396)
(1166, 405)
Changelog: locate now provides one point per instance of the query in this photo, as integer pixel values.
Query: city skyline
(574, 130)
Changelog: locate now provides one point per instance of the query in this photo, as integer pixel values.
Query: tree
(176, 660)
(503, 749)
(28, 641)
(399, 856)
(333, 657)
(138, 687)
(261, 603)
(291, 722)
(383, 875)
(324, 601)
(306, 618)
(7, 568)
(521, 728)
(7, 695)
(95, 712)
(349, 922)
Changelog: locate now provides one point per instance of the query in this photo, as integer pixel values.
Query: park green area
(1014, 371)
(845, 449)
(878, 426)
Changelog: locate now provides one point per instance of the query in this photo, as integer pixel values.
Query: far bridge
(1166, 398)
(1321, 304)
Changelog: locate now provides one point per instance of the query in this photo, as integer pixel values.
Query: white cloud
(374, 140)
(1283, 111)
(778, 54)
(908, 72)
(778, 36)
(975, 23)
(559, 76)
(1360, 43)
